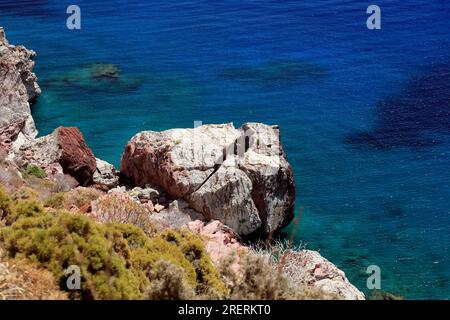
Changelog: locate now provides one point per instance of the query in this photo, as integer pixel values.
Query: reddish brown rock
(64, 150)
(76, 158)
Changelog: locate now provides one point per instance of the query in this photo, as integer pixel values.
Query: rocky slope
(309, 268)
(18, 88)
(215, 180)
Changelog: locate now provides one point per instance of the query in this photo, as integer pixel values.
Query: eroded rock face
(105, 174)
(309, 268)
(18, 87)
(220, 242)
(66, 148)
(238, 176)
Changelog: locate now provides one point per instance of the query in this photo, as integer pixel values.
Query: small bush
(80, 197)
(56, 242)
(120, 208)
(258, 281)
(186, 251)
(25, 193)
(117, 261)
(207, 278)
(55, 201)
(35, 171)
(5, 204)
(167, 283)
(19, 280)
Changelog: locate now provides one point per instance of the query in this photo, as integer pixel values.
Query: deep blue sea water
(365, 115)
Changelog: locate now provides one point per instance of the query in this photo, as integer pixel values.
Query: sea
(364, 113)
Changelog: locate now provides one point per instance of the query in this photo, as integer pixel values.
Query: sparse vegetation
(259, 279)
(80, 197)
(5, 204)
(121, 256)
(35, 171)
(118, 261)
(120, 208)
(167, 283)
(19, 280)
(55, 201)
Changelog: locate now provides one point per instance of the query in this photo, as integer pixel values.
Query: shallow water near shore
(364, 115)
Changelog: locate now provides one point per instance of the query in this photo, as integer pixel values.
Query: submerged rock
(18, 87)
(104, 71)
(97, 77)
(274, 73)
(384, 295)
(415, 118)
(238, 176)
(65, 148)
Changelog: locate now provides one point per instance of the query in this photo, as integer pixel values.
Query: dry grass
(167, 283)
(80, 197)
(273, 251)
(120, 208)
(20, 280)
(259, 279)
(9, 175)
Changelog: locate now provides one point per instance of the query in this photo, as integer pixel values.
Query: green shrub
(258, 281)
(55, 201)
(167, 283)
(57, 242)
(80, 197)
(25, 193)
(5, 204)
(33, 170)
(186, 251)
(192, 246)
(120, 208)
(117, 261)
(25, 209)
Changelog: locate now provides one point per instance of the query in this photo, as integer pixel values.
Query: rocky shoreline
(218, 181)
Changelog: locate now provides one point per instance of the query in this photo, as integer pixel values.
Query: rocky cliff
(18, 88)
(218, 181)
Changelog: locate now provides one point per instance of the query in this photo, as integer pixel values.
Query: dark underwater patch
(275, 73)
(96, 77)
(414, 118)
(33, 8)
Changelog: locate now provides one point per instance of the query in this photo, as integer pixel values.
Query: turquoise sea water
(365, 115)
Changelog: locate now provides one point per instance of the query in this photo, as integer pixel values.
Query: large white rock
(238, 176)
